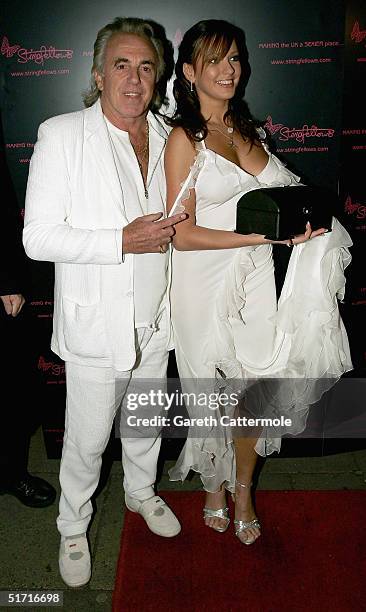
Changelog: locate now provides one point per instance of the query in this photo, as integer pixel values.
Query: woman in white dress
(226, 322)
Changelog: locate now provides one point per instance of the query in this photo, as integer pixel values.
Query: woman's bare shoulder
(178, 137)
(180, 150)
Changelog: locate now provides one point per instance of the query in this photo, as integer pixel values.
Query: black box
(282, 212)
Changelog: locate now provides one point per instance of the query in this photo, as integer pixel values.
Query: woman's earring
(191, 85)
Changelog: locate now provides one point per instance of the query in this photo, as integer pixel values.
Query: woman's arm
(179, 157)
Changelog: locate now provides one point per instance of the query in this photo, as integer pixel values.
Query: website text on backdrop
(95, 206)
(228, 328)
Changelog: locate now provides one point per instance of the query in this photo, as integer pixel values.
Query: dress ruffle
(215, 464)
(190, 182)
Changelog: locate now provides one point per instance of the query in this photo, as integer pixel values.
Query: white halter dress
(229, 329)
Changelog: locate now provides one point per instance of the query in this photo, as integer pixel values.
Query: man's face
(128, 82)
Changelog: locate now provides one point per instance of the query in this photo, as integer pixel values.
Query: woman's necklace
(229, 135)
(142, 155)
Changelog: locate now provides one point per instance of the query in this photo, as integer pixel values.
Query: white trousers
(93, 398)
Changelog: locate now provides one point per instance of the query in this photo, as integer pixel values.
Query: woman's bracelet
(291, 243)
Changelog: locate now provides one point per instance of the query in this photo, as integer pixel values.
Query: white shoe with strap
(158, 516)
(74, 560)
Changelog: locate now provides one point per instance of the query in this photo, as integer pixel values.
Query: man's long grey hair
(151, 31)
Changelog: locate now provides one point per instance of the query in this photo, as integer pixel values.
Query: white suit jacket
(74, 215)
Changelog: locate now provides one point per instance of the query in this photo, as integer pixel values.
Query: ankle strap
(244, 486)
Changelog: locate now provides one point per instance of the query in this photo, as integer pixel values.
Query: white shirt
(150, 269)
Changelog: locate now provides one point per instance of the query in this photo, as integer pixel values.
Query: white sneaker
(158, 516)
(74, 560)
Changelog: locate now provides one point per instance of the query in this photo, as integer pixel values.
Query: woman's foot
(215, 512)
(247, 526)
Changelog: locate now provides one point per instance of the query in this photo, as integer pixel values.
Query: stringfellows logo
(354, 208)
(55, 369)
(285, 133)
(358, 35)
(38, 56)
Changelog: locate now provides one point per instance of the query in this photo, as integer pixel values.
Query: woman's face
(217, 79)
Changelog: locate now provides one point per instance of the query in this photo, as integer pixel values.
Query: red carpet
(310, 557)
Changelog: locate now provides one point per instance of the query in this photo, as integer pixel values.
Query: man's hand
(149, 235)
(12, 303)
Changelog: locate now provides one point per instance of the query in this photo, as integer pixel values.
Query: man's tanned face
(129, 78)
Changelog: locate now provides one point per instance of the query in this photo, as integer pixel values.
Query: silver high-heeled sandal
(241, 526)
(222, 513)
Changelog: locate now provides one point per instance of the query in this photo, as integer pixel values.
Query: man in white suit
(94, 206)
